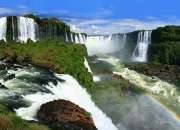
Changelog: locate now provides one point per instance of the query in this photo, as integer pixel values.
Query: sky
(100, 16)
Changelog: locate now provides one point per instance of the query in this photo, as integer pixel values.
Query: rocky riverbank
(169, 73)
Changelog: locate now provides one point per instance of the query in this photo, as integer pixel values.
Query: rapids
(35, 86)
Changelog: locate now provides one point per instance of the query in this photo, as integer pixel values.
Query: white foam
(69, 90)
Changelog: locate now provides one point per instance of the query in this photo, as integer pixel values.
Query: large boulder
(64, 115)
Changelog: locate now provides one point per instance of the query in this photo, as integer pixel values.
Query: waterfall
(67, 39)
(72, 38)
(3, 28)
(87, 65)
(143, 41)
(119, 40)
(105, 44)
(27, 29)
(82, 38)
(76, 38)
(39, 86)
(13, 28)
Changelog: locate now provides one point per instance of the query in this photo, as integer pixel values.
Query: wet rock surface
(64, 115)
(169, 73)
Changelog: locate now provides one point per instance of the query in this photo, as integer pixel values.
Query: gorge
(55, 63)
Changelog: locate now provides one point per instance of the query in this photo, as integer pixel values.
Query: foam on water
(153, 85)
(68, 89)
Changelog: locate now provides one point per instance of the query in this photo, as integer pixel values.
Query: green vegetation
(166, 34)
(48, 28)
(165, 47)
(165, 53)
(88, 115)
(9, 121)
(58, 56)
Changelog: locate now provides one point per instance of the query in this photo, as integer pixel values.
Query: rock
(64, 115)
(2, 66)
(9, 77)
(169, 73)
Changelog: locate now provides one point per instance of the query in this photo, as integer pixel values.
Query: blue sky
(101, 16)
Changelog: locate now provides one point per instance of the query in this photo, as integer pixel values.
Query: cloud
(6, 11)
(22, 7)
(109, 26)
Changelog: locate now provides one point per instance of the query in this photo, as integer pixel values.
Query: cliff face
(165, 47)
(166, 34)
(29, 27)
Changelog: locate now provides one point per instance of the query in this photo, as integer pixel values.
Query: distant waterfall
(140, 52)
(27, 29)
(81, 39)
(67, 40)
(105, 44)
(3, 27)
(72, 38)
(119, 40)
(78, 38)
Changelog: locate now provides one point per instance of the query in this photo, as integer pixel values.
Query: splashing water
(38, 86)
(152, 85)
(140, 52)
(105, 44)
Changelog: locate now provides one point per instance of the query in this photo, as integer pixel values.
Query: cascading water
(119, 40)
(3, 27)
(27, 29)
(87, 65)
(72, 38)
(81, 39)
(76, 38)
(38, 86)
(67, 40)
(105, 44)
(143, 41)
(156, 108)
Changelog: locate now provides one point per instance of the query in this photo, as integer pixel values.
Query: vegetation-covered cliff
(165, 47)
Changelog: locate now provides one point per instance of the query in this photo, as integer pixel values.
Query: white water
(27, 29)
(82, 38)
(72, 39)
(3, 28)
(70, 90)
(152, 85)
(140, 52)
(119, 40)
(105, 44)
(67, 40)
(87, 65)
(79, 38)
(76, 38)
